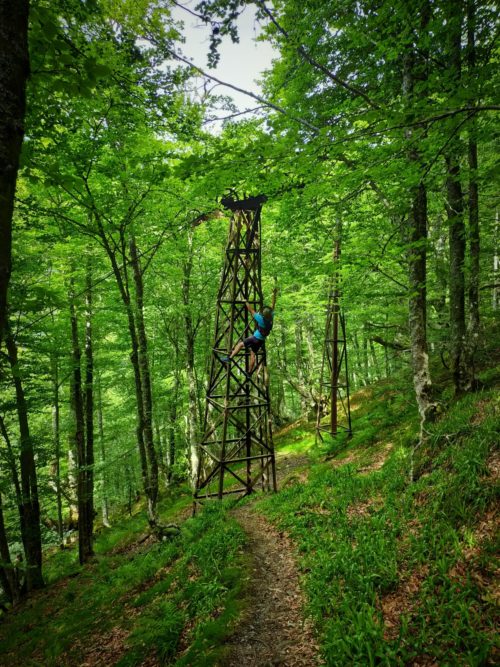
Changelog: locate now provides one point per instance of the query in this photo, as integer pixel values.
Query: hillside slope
(392, 571)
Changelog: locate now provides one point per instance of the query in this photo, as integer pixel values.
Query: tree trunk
(14, 72)
(495, 295)
(84, 539)
(359, 366)
(9, 575)
(417, 305)
(299, 364)
(100, 427)
(462, 375)
(72, 472)
(374, 361)
(89, 410)
(56, 430)
(30, 508)
(147, 399)
(366, 366)
(123, 287)
(416, 238)
(8, 578)
(11, 461)
(192, 414)
(474, 238)
(171, 446)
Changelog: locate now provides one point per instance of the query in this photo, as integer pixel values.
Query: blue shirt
(259, 318)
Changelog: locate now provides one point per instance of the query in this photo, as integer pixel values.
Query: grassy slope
(395, 573)
(160, 599)
(400, 573)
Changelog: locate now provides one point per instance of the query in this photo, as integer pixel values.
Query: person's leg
(236, 349)
(253, 359)
(227, 358)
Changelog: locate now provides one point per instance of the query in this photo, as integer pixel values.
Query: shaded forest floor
(357, 564)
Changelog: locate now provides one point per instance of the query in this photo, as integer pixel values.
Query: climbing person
(264, 321)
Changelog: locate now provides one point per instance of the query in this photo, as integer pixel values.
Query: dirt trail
(273, 630)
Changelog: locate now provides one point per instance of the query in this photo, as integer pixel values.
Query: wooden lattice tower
(237, 453)
(334, 380)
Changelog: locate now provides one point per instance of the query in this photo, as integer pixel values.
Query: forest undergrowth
(394, 571)
(401, 572)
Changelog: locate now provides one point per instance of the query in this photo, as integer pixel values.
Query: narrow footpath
(273, 630)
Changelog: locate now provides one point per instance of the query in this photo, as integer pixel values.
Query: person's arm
(275, 294)
(249, 307)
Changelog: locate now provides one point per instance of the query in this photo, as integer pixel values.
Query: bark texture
(193, 413)
(473, 323)
(147, 454)
(462, 375)
(30, 507)
(8, 574)
(145, 376)
(416, 238)
(89, 410)
(77, 399)
(56, 431)
(14, 72)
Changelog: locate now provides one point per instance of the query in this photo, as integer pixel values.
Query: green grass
(185, 589)
(395, 571)
(369, 540)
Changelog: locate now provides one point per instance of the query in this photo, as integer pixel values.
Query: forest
(149, 223)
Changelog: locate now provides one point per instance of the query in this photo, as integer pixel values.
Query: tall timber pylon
(236, 452)
(334, 381)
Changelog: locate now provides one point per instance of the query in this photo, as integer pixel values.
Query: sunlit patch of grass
(296, 444)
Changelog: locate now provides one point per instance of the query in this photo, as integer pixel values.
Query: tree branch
(352, 89)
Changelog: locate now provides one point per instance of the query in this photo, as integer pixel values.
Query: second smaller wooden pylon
(334, 380)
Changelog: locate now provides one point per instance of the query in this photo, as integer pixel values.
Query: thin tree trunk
(366, 367)
(462, 375)
(56, 430)
(89, 410)
(102, 449)
(374, 360)
(14, 72)
(8, 578)
(171, 445)
(299, 364)
(310, 353)
(84, 540)
(160, 444)
(30, 508)
(387, 360)
(72, 472)
(123, 288)
(9, 575)
(495, 295)
(416, 238)
(474, 233)
(359, 363)
(11, 461)
(146, 386)
(192, 414)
